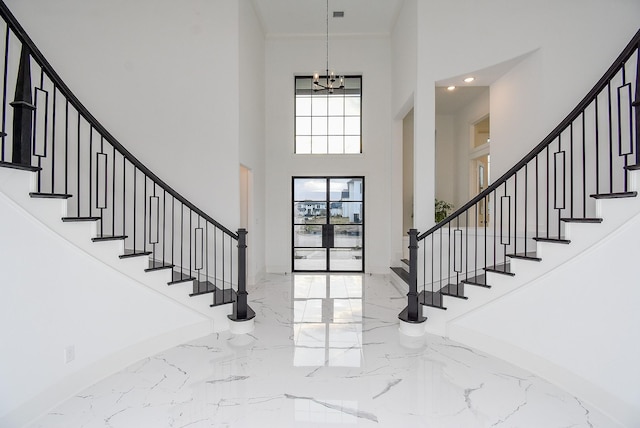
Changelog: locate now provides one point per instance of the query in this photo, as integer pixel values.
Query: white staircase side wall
(576, 325)
(61, 290)
(50, 212)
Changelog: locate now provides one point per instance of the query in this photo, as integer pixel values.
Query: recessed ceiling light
(451, 88)
(469, 79)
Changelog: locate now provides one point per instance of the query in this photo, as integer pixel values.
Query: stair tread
(158, 265)
(403, 274)
(454, 290)
(223, 297)
(633, 167)
(109, 238)
(531, 255)
(430, 298)
(552, 240)
(614, 195)
(50, 195)
(405, 261)
(134, 253)
(503, 269)
(178, 277)
(19, 166)
(581, 220)
(478, 280)
(74, 219)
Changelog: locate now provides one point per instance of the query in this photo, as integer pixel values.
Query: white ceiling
(308, 17)
(450, 102)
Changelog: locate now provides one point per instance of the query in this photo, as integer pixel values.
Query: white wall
(576, 325)
(162, 76)
(367, 56)
(252, 131)
(54, 296)
(404, 69)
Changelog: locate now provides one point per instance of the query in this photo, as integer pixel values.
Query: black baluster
(526, 205)
(53, 143)
(636, 104)
(5, 80)
(610, 136)
(78, 167)
(66, 147)
(584, 166)
(23, 112)
(571, 166)
(597, 136)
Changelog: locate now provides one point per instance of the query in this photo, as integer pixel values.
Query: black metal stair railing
(588, 156)
(76, 158)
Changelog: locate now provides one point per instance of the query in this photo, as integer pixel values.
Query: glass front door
(328, 224)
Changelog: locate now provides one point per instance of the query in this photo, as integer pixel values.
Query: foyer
(148, 160)
(325, 353)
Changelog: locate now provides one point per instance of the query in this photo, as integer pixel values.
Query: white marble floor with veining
(326, 352)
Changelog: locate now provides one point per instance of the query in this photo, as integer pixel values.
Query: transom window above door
(328, 123)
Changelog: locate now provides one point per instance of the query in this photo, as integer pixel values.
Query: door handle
(327, 236)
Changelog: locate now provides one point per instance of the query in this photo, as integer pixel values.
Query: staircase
(59, 164)
(572, 191)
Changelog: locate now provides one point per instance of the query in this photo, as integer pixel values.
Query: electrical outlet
(69, 354)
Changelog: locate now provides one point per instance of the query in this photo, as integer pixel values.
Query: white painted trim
(242, 327)
(412, 329)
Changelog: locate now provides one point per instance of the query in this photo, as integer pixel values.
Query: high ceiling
(308, 17)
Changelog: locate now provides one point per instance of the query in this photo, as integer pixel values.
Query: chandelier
(328, 82)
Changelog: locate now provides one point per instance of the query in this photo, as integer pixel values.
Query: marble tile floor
(326, 352)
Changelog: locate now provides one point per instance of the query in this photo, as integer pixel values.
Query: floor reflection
(327, 320)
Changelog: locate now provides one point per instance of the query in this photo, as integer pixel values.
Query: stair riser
(617, 210)
(634, 180)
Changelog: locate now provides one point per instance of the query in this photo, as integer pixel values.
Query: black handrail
(17, 29)
(602, 83)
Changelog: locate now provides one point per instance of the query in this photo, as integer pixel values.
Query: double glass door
(328, 224)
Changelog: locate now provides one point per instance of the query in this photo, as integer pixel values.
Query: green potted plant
(442, 210)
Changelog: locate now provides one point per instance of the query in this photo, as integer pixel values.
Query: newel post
(413, 312)
(241, 310)
(23, 111)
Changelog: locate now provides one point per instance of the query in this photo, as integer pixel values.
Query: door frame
(327, 200)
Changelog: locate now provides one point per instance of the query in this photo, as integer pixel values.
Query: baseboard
(625, 414)
(80, 380)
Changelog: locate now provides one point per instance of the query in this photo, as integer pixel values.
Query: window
(328, 123)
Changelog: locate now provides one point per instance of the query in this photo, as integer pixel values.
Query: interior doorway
(328, 224)
(480, 166)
